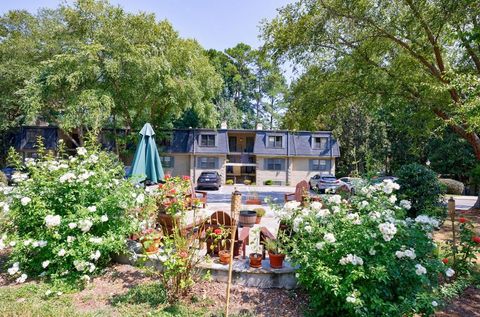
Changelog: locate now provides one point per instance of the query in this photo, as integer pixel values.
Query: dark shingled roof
(294, 143)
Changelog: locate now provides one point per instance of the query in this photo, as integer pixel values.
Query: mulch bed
(211, 295)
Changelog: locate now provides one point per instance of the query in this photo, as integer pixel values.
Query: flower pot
(224, 256)
(247, 218)
(276, 260)
(255, 260)
(150, 246)
(212, 246)
(257, 221)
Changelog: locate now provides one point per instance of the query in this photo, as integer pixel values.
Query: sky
(217, 24)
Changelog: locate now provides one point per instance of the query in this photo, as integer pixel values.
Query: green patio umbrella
(146, 163)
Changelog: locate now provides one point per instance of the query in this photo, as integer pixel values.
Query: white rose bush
(67, 215)
(363, 257)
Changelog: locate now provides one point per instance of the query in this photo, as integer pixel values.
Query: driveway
(224, 194)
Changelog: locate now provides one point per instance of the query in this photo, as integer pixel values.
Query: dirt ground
(211, 295)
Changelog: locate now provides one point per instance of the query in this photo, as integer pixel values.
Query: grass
(144, 300)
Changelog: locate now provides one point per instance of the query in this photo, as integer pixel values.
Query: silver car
(324, 182)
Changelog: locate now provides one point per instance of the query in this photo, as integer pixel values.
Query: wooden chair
(301, 193)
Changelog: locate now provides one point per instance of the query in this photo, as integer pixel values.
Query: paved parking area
(224, 194)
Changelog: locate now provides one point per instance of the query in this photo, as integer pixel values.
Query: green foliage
(463, 255)
(409, 64)
(247, 182)
(420, 185)
(68, 215)
(254, 89)
(229, 182)
(260, 212)
(268, 182)
(363, 257)
(452, 186)
(456, 166)
(84, 63)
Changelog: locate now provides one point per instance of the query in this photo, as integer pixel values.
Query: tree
(253, 85)
(114, 68)
(421, 53)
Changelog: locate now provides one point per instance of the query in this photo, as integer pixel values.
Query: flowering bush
(174, 196)
(363, 257)
(464, 252)
(64, 217)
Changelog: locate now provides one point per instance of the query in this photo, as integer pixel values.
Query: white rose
(92, 208)
(449, 272)
(45, 264)
(21, 279)
(52, 220)
(62, 252)
(104, 218)
(329, 237)
(81, 151)
(72, 225)
(25, 200)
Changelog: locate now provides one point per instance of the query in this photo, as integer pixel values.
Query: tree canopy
(92, 64)
(415, 63)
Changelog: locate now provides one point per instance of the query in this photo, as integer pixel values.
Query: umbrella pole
(235, 209)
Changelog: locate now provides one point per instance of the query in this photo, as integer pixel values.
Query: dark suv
(209, 180)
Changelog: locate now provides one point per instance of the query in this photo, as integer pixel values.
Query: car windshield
(207, 175)
(328, 179)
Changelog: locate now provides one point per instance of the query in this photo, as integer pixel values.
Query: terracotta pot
(150, 245)
(255, 260)
(224, 256)
(258, 220)
(247, 218)
(276, 260)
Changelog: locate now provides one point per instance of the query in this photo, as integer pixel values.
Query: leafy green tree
(416, 57)
(254, 89)
(111, 68)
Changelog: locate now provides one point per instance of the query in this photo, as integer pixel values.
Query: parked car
(8, 171)
(209, 180)
(324, 182)
(351, 182)
(379, 179)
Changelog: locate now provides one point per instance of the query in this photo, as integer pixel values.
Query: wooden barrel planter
(247, 218)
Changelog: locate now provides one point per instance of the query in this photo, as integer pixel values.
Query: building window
(207, 162)
(272, 164)
(275, 141)
(167, 161)
(207, 140)
(320, 165)
(320, 143)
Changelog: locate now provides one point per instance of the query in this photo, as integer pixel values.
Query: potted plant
(216, 238)
(255, 257)
(150, 240)
(260, 213)
(275, 254)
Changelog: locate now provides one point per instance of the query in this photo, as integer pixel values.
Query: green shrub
(229, 182)
(452, 186)
(247, 182)
(260, 212)
(420, 185)
(268, 182)
(68, 215)
(363, 257)
(3, 178)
